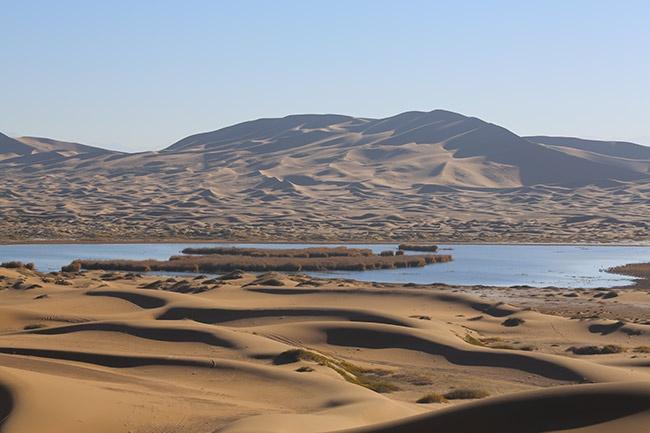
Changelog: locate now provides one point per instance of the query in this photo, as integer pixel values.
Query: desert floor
(99, 352)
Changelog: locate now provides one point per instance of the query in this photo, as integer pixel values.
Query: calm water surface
(503, 265)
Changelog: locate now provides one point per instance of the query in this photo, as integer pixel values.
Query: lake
(500, 265)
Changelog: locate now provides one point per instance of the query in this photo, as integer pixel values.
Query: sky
(141, 75)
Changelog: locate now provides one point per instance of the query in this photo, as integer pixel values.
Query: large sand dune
(99, 352)
(436, 175)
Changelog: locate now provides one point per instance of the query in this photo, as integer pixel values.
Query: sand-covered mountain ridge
(428, 172)
(409, 149)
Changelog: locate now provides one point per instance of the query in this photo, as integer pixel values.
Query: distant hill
(393, 178)
(437, 147)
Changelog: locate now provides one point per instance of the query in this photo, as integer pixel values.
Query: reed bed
(314, 252)
(638, 270)
(226, 263)
(418, 247)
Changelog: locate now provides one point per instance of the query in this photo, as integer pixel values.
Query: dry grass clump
(432, 397)
(473, 340)
(466, 394)
(418, 247)
(596, 350)
(642, 349)
(367, 378)
(221, 263)
(313, 252)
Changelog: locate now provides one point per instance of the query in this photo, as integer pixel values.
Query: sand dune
(100, 352)
(583, 408)
(417, 175)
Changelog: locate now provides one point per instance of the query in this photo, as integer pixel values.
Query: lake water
(501, 265)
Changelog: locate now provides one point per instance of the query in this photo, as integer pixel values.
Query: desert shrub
(596, 350)
(466, 394)
(387, 253)
(642, 349)
(432, 397)
(512, 322)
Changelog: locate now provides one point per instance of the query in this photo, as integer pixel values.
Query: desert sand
(426, 176)
(98, 352)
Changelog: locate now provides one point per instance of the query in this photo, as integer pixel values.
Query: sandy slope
(96, 352)
(436, 175)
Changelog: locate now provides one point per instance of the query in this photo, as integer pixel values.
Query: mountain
(437, 174)
(438, 147)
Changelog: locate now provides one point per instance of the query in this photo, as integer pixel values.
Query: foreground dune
(99, 352)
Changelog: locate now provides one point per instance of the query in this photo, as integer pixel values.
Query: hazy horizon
(137, 77)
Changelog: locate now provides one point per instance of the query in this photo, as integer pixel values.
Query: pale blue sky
(139, 75)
